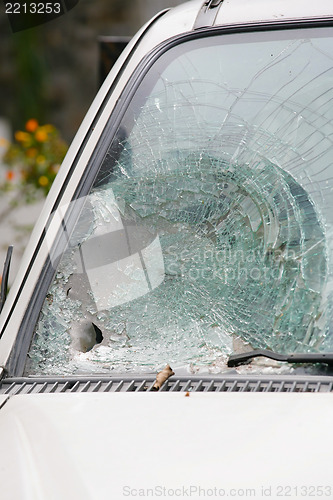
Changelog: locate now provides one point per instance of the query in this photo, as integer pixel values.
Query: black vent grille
(13, 386)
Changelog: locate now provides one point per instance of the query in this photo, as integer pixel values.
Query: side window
(209, 222)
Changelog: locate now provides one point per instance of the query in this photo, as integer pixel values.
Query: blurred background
(49, 76)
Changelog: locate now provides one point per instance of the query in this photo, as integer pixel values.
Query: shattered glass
(209, 226)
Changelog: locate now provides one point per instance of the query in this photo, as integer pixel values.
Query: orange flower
(22, 136)
(31, 125)
(10, 175)
(43, 181)
(41, 135)
(31, 152)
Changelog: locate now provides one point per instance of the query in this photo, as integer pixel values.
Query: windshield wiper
(245, 357)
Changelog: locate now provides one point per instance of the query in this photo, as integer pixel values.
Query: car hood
(96, 446)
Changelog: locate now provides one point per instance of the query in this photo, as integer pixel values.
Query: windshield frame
(22, 342)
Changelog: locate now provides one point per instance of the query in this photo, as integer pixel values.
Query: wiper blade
(239, 359)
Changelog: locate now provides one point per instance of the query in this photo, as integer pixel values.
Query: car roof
(197, 14)
(225, 12)
(251, 11)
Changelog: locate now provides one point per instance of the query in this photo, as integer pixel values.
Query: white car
(190, 225)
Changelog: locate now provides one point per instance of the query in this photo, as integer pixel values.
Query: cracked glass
(208, 229)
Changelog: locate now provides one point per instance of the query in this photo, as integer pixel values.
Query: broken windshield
(209, 226)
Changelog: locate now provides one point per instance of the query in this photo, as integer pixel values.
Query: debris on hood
(162, 376)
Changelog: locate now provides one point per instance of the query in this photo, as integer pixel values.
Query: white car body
(91, 444)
